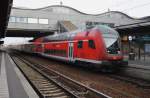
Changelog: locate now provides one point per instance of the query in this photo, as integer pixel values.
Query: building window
(91, 44)
(90, 25)
(32, 20)
(80, 44)
(43, 21)
(12, 19)
(21, 20)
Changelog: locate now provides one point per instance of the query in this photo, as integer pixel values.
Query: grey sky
(135, 8)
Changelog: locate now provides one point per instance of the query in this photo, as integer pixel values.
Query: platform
(138, 68)
(12, 82)
(140, 64)
(145, 64)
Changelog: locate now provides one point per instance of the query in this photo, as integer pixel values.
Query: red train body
(98, 47)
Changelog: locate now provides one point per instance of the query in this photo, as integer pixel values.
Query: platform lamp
(130, 39)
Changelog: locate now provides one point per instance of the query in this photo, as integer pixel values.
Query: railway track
(50, 84)
(135, 81)
(112, 86)
(134, 75)
(137, 72)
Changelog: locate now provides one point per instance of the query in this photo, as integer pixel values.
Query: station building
(49, 17)
(60, 18)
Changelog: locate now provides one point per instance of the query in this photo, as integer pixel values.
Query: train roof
(62, 36)
(110, 35)
(106, 32)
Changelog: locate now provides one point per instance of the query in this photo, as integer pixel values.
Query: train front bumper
(110, 63)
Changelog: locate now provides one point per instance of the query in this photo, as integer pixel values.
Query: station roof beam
(5, 8)
(135, 28)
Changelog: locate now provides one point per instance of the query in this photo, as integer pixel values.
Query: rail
(73, 87)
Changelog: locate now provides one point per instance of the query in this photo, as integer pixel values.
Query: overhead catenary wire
(127, 9)
(137, 6)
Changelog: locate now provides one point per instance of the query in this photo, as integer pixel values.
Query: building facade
(47, 18)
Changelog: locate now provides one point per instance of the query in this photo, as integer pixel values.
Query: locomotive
(98, 47)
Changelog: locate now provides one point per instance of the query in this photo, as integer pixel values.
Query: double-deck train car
(97, 47)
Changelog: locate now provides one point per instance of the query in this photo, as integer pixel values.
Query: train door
(70, 51)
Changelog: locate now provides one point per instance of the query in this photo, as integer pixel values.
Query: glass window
(80, 44)
(107, 32)
(43, 21)
(91, 44)
(12, 19)
(21, 20)
(32, 20)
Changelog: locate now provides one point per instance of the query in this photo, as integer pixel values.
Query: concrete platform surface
(140, 64)
(12, 82)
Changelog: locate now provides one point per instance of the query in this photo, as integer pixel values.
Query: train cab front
(114, 59)
(114, 54)
(113, 47)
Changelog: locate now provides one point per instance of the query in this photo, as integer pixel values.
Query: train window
(91, 44)
(80, 44)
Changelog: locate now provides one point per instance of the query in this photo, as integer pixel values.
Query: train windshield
(111, 38)
(110, 35)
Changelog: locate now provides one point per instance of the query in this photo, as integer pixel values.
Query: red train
(98, 47)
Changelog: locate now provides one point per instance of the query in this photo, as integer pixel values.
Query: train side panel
(56, 48)
(90, 46)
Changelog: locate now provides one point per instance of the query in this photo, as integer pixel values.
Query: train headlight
(108, 51)
(119, 52)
